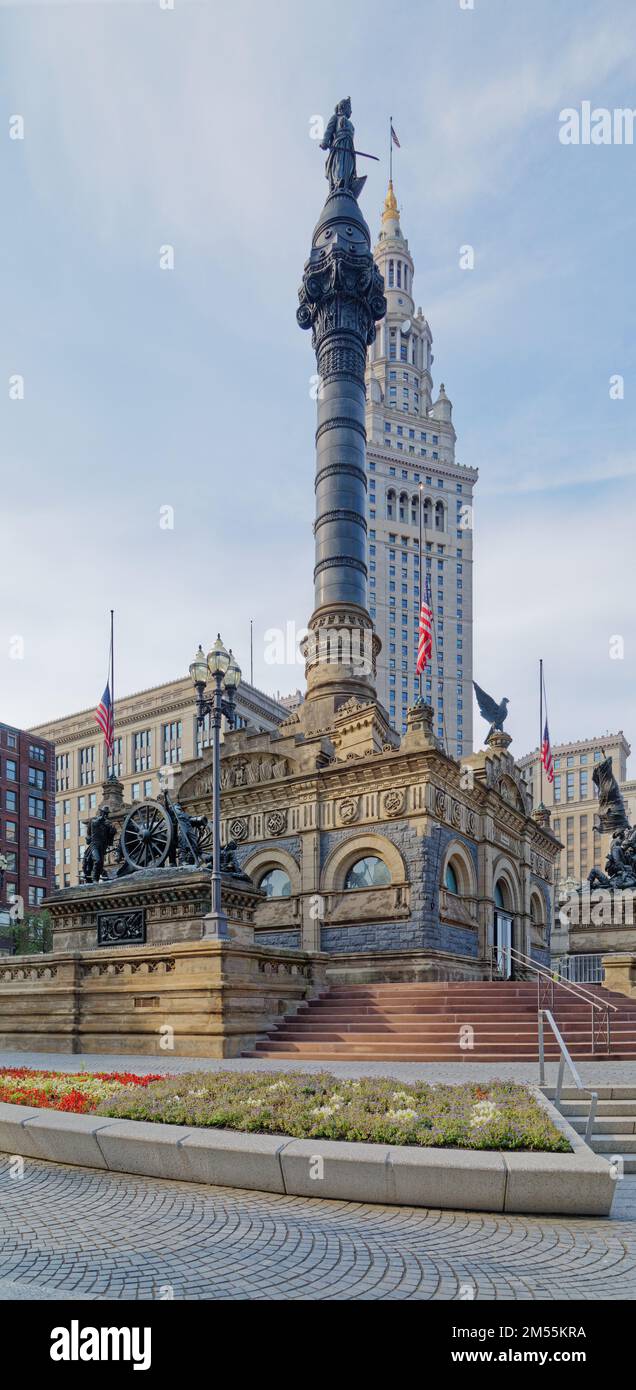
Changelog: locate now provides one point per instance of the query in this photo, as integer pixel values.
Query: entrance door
(503, 943)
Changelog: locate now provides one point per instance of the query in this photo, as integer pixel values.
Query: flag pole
(421, 572)
(112, 689)
(541, 730)
(251, 651)
(390, 149)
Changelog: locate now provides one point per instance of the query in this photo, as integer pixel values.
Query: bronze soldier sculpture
(100, 835)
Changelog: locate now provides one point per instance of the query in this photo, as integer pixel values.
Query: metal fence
(581, 969)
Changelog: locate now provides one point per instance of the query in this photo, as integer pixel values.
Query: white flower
(324, 1110)
(402, 1116)
(277, 1086)
(483, 1112)
(402, 1097)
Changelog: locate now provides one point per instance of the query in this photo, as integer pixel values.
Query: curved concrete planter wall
(579, 1183)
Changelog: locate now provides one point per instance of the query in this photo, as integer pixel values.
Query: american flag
(394, 137)
(546, 754)
(104, 717)
(425, 641)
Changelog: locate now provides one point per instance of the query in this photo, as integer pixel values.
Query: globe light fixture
(225, 673)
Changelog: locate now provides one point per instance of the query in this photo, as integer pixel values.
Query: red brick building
(27, 816)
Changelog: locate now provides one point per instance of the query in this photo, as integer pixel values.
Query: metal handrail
(565, 1060)
(548, 975)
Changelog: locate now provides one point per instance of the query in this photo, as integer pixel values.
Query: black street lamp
(226, 675)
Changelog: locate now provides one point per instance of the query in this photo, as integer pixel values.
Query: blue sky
(190, 388)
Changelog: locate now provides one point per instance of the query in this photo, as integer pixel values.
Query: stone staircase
(614, 1131)
(472, 1021)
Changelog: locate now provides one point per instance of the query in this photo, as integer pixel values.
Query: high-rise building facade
(573, 799)
(27, 824)
(155, 731)
(411, 465)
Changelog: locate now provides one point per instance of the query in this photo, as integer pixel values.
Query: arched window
(415, 502)
(499, 898)
(390, 505)
(370, 872)
(451, 879)
(439, 516)
(390, 274)
(276, 884)
(427, 513)
(404, 502)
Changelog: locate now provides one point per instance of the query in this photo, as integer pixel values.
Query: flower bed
(498, 1115)
(80, 1092)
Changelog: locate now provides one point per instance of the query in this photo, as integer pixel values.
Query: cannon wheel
(204, 839)
(146, 837)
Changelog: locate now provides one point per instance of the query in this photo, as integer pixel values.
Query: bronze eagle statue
(494, 713)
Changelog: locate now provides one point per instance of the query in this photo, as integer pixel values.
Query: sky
(141, 388)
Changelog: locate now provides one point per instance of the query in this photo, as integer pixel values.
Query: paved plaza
(75, 1233)
(601, 1074)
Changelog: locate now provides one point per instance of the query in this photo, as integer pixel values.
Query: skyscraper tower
(411, 462)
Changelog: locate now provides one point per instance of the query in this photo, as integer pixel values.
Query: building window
(11, 801)
(37, 807)
(37, 778)
(450, 879)
(37, 866)
(62, 766)
(37, 837)
(135, 791)
(142, 750)
(36, 896)
(37, 755)
(11, 830)
(87, 765)
(172, 734)
(276, 884)
(10, 770)
(370, 872)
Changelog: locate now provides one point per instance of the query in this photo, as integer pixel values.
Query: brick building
(27, 816)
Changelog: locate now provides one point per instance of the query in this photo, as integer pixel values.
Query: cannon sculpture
(161, 832)
(154, 835)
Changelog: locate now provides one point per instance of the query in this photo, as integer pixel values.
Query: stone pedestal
(132, 971)
(620, 973)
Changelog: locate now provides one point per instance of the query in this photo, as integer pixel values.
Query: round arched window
(370, 872)
(450, 879)
(499, 898)
(276, 883)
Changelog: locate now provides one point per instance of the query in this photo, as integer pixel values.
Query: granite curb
(579, 1183)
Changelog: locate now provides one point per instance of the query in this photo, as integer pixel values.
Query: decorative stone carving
(238, 828)
(348, 809)
(394, 802)
(471, 823)
(440, 803)
(456, 814)
(116, 927)
(276, 822)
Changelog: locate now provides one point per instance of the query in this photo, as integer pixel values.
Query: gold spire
(390, 213)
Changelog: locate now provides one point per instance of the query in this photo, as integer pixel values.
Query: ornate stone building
(384, 851)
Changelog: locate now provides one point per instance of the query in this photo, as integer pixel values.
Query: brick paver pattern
(77, 1233)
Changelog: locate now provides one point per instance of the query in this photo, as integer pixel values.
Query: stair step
(614, 1143)
(608, 1124)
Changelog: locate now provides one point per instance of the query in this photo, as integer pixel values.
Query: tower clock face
(406, 326)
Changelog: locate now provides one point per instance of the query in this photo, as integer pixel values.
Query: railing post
(557, 1097)
(541, 1048)
(591, 1117)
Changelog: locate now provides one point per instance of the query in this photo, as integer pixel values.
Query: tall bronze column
(341, 299)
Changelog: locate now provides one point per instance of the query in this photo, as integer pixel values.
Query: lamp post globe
(233, 673)
(199, 667)
(218, 658)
